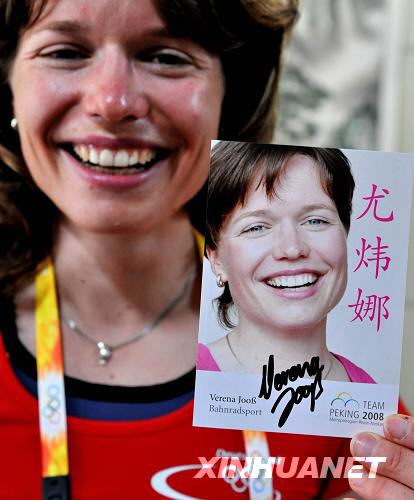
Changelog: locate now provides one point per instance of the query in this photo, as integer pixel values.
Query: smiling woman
(277, 225)
(112, 106)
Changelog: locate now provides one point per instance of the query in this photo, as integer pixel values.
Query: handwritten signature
(278, 381)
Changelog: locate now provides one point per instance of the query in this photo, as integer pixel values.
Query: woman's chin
(104, 224)
(300, 327)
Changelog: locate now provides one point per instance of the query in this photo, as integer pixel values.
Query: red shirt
(141, 459)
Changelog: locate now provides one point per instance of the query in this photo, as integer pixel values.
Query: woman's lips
(105, 157)
(113, 176)
(292, 281)
(115, 161)
(294, 286)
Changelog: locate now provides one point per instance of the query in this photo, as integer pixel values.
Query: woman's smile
(296, 283)
(115, 162)
(116, 169)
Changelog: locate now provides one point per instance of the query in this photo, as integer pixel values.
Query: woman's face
(115, 115)
(285, 257)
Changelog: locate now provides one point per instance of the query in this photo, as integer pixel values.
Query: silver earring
(13, 123)
(219, 281)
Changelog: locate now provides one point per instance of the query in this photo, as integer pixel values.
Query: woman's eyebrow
(64, 27)
(304, 209)
(251, 213)
(75, 27)
(317, 206)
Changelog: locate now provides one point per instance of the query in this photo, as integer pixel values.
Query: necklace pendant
(105, 352)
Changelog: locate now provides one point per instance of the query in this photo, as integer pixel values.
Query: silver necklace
(244, 368)
(105, 350)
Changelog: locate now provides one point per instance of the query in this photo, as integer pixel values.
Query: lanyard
(256, 445)
(51, 396)
(50, 387)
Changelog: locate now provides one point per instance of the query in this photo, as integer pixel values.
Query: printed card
(303, 290)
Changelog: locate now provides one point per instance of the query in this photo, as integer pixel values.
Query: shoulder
(205, 360)
(355, 373)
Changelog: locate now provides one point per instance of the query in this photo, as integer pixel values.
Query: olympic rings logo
(51, 410)
(238, 484)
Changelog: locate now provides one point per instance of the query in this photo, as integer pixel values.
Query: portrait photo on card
(303, 291)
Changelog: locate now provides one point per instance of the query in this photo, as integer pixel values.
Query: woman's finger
(399, 464)
(400, 428)
(380, 488)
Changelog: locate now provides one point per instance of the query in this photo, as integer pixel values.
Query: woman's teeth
(115, 159)
(299, 280)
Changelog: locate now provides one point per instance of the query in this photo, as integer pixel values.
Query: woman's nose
(289, 243)
(114, 91)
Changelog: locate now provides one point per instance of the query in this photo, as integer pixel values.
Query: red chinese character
(358, 307)
(373, 199)
(378, 255)
(374, 307)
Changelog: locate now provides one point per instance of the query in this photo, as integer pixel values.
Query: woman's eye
(316, 222)
(64, 53)
(257, 228)
(171, 59)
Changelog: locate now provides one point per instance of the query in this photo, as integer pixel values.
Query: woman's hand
(395, 477)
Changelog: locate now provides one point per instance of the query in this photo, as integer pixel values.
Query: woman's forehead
(299, 184)
(294, 174)
(116, 15)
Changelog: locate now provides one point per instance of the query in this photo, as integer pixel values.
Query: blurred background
(347, 82)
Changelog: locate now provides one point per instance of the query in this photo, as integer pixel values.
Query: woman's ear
(216, 263)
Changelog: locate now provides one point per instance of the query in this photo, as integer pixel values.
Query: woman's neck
(289, 347)
(107, 273)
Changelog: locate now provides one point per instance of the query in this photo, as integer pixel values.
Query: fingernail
(398, 427)
(363, 444)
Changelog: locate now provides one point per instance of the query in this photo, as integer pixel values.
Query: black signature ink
(271, 380)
